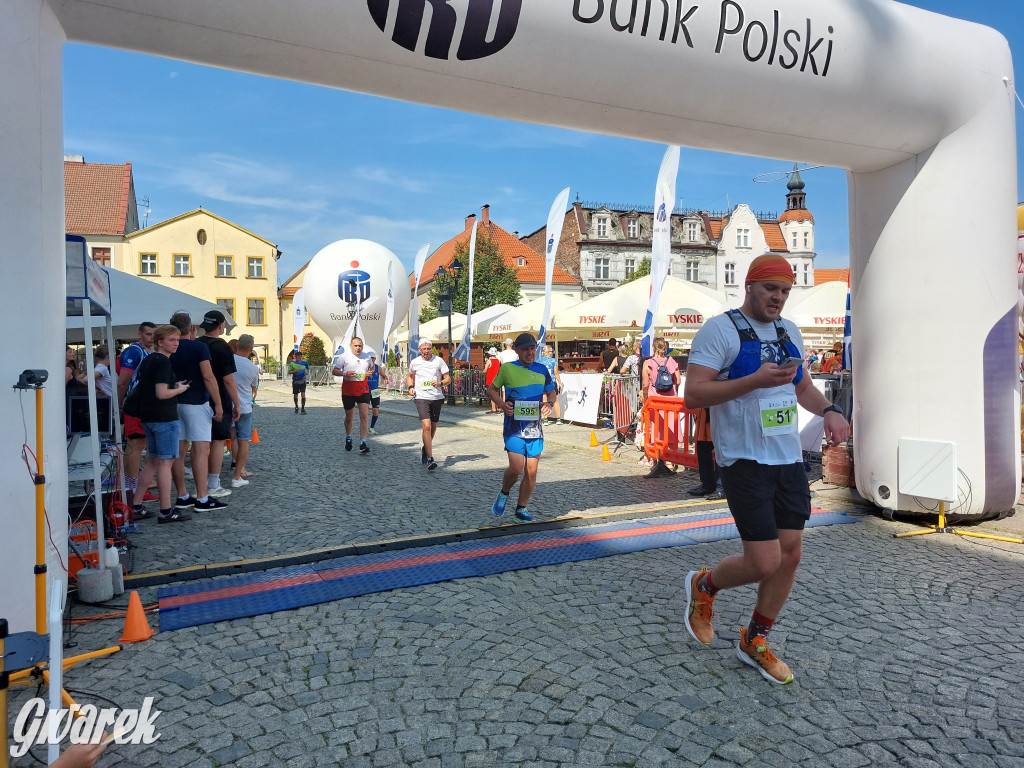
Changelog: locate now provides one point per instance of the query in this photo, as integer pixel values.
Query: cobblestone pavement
(906, 653)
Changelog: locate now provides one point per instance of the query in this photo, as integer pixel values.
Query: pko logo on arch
(444, 21)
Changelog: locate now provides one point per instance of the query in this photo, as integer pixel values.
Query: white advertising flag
(661, 238)
(299, 316)
(556, 218)
(462, 351)
(389, 317)
(414, 313)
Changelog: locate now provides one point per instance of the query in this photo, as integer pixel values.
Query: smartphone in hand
(791, 362)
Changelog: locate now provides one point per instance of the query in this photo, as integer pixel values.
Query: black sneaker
(296, 409)
(424, 459)
(431, 464)
(174, 516)
(363, 447)
(303, 411)
(348, 443)
(186, 503)
(139, 512)
(209, 505)
(700, 490)
(716, 495)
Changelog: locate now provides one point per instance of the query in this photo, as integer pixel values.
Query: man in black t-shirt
(222, 360)
(609, 355)
(197, 409)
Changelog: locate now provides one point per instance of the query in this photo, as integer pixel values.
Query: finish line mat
(188, 605)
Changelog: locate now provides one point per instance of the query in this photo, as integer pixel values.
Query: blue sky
(303, 165)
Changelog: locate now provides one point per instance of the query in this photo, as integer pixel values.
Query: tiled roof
(830, 275)
(96, 197)
(715, 228)
(773, 236)
(796, 214)
(511, 249)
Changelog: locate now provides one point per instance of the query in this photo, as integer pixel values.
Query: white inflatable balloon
(354, 273)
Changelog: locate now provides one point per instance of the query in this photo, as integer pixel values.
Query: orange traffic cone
(605, 455)
(136, 627)
(255, 437)
(593, 439)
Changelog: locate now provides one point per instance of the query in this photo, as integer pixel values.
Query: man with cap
(298, 368)
(222, 361)
(529, 393)
(428, 376)
(746, 366)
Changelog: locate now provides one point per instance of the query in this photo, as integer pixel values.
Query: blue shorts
(243, 427)
(161, 439)
(524, 446)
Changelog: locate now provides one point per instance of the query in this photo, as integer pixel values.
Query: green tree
(494, 282)
(313, 349)
(427, 313)
(643, 269)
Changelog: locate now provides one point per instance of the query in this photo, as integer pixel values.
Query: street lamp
(448, 280)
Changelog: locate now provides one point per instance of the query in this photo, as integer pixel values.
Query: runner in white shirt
(354, 365)
(428, 376)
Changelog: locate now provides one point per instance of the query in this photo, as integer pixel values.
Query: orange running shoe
(698, 611)
(756, 654)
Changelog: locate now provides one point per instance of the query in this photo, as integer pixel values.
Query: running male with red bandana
(746, 366)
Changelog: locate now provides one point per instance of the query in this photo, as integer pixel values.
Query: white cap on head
(508, 342)
(492, 351)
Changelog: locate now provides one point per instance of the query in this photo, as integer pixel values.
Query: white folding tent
(820, 308)
(522, 319)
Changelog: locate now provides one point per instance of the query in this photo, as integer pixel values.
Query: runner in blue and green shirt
(529, 392)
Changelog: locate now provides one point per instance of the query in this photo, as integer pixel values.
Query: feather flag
(462, 351)
(847, 336)
(298, 316)
(414, 313)
(556, 218)
(389, 317)
(661, 238)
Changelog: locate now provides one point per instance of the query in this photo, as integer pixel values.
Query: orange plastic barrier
(668, 424)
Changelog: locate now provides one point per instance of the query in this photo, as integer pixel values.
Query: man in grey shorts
(428, 376)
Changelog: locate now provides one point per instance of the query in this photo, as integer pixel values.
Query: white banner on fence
(581, 396)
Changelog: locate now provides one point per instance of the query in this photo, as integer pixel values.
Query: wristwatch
(833, 407)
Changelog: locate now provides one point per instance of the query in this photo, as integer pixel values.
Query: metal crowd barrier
(620, 400)
(668, 425)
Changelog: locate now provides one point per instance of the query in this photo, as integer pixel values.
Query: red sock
(759, 625)
(706, 585)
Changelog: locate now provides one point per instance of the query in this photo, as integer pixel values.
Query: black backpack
(663, 379)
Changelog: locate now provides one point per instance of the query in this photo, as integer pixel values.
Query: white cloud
(386, 177)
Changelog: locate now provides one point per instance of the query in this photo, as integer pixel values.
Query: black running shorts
(765, 499)
(298, 387)
(429, 409)
(350, 401)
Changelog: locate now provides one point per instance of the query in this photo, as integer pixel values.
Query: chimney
(485, 215)
(469, 221)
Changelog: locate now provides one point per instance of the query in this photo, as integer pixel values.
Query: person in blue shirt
(373, 379)
(298, 369)
(529, 393)
(549, 361)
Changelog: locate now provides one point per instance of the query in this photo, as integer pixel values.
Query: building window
(691, 231)
(228, 305)
(520, 262)
(602, 226)
(255, 266)
(182, 264)
(691, 270)
(668, 270)
(743, 237)
(807, 274)
(794, 241)
(225, 266)
(633, 228)
(730, 273)
(201, 237)
(256, 312)
(102, 255)
(807, 240)
(630, 267)
(601, 269)
(147, 264)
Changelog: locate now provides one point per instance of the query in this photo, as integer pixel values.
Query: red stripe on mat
(442, 557)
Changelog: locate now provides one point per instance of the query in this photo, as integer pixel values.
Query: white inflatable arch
(918, 107)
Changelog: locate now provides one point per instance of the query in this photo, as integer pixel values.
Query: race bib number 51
(778, 415)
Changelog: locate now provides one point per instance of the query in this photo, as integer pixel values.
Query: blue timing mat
(204, 602)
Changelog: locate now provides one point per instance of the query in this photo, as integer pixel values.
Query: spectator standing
(198, 407)
(157, 390)
(128, 364)
(104, 381)
(549, 361)
(247, 381)
(493, 364)
(609, 355)
(508, 354)
(660, 377)
(222, 362)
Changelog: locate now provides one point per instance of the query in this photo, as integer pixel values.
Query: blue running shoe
(523, 515)
(498, 507)
(423, 456)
